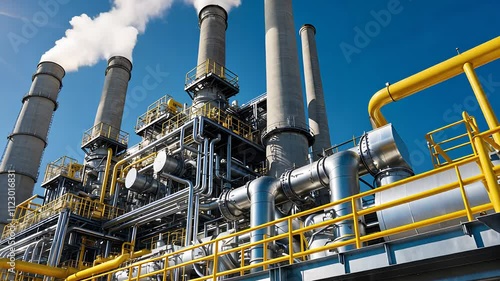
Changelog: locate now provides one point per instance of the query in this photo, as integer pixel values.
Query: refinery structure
(217, 190)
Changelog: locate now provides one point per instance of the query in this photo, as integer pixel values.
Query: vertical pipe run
(343, 182)
(261, 192)
(318, 121)
(485, 105)
(25, 145)
(286, 142)
(59, 236)
(114, 92)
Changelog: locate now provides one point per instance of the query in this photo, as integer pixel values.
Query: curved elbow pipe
(438, 73)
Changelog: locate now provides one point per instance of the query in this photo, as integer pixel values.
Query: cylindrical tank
(316, 109)
(21, 160)
(141, 183)
(286, 135)
(443, 203)
(114, 92)
(168, 164)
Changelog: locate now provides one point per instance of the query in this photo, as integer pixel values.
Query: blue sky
(418, 35)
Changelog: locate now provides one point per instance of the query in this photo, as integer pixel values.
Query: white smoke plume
(110, 33)
(226, 4)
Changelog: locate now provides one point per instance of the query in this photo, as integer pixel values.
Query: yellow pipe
(36, 268)
(477, 56)
(106, 266)
(489, 175)
(114, 177)
(106, 175)
(482, 100)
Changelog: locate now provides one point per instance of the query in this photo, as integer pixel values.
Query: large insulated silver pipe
(58, 240)
(286, 135)
(114, 92)
(316, 109)
(261, 192)
(343, 182)
(25, 145)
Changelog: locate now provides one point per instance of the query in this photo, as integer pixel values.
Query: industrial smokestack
(314, 91)
(211, 52)
(287, 134)
(114, 92)
(21, 160)
(213, 25)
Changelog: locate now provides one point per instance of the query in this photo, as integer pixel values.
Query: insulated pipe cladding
(318, 121)
(21, 160)
(211, 51)
(286, 136)
(114, 92)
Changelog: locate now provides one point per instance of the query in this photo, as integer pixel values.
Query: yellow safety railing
(80, 206)
(64, 166)
(107, 131)
(214, 68)
(165, 104)
(214, 113)
(489, 174)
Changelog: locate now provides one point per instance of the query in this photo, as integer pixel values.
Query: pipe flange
(287, 189)
(366, 157)
(225, 207)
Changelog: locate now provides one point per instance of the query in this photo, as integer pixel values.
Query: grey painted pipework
(261, 192)
(316, 108)
(114, 92)
(285, 139)
(27, 141)
(59, 236)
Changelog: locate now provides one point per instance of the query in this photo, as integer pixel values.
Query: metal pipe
(484, 104)
(196, 217)
(211, 154)
(40, 269)
(106, 266)
(316, 108)
(106, 175)
(59, 236)
(140, 151)
(213, 25)
(286, 135)
(167, 164)
(114, 92)
(21, 243)
(228, 160)
(25, 145)
(438, 73)
(262, 192)
(343, 182)
(94, 234)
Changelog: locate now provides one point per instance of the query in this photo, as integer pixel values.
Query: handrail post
(464, 195)
(489, 175)
(482, 100)
(355, 222)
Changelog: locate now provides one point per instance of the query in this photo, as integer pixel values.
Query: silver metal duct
(316, 109)
(141, 183)
(344, 182)
(286, 135)
(21, 160)
(211, 50)
(440, 204)
(261, 192)
(114, 92)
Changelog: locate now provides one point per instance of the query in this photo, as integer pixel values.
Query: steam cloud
(110, 33)
(226, 4)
